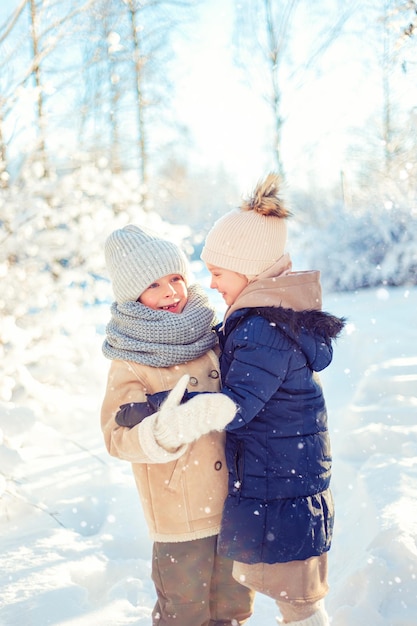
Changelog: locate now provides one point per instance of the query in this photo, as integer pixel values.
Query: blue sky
(226, 116)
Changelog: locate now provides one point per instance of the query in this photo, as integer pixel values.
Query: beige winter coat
(182, 493)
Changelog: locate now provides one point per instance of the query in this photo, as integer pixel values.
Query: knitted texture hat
(250, 239)
(135, 258)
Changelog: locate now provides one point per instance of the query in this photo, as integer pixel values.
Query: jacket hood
(312, 331)
(280, 287)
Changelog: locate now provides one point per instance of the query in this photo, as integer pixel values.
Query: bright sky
(226, 117)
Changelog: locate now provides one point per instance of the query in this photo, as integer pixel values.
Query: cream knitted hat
(135, 258)
(250, 239)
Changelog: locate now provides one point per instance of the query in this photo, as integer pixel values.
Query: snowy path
(374, 555)
(74, 544)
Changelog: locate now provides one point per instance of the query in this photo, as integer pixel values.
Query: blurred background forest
(117, 111)
(165, 113)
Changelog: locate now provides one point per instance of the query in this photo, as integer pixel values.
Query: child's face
(229, 284)
(168, 293)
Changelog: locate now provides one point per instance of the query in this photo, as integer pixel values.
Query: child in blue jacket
(278, 517)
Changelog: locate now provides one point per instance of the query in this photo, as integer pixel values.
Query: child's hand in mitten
(177, 424)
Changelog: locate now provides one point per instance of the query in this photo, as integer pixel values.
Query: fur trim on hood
(316, 322)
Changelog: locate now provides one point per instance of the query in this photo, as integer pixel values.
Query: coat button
(193, 381)
(218, 466)
(214, 374)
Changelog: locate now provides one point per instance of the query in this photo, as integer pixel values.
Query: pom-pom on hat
(136, 258)
(250, 239)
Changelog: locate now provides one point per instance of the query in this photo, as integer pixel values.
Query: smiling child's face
(168, 293)
(229, 284)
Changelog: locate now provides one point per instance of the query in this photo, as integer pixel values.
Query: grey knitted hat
(135, 258)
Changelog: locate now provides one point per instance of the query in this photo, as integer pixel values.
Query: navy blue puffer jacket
(279, 506)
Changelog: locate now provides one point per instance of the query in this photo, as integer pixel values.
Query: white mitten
(178, 424)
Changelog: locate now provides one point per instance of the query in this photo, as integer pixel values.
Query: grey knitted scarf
(160, 338)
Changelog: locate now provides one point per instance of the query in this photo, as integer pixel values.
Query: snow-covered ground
(73, 541)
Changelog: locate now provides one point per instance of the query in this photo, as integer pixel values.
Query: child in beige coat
(161, 337)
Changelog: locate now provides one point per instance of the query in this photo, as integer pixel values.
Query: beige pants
(297, 587)
(195, 586)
